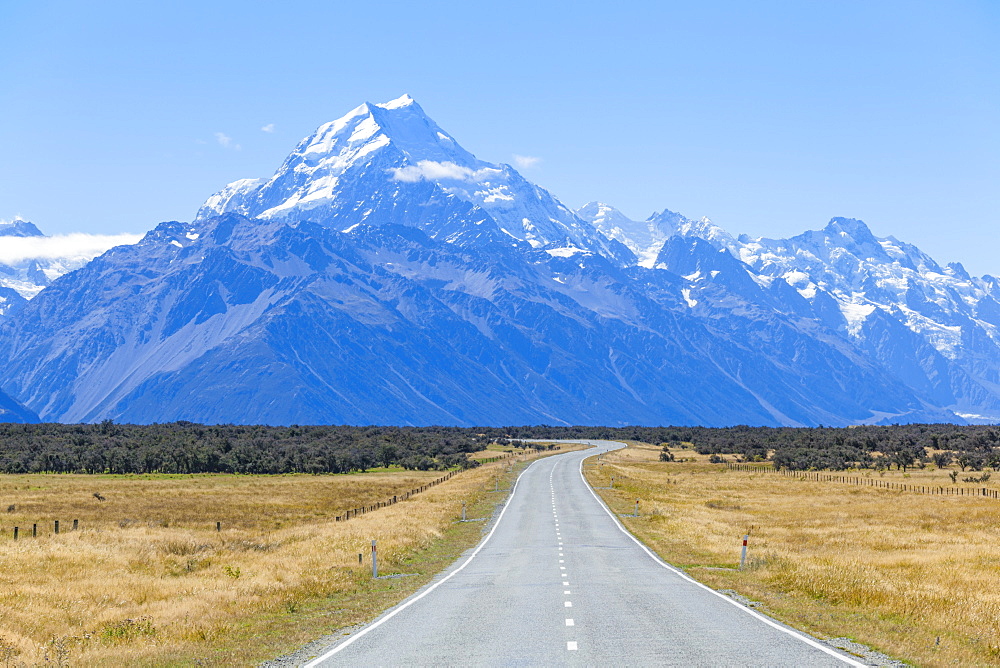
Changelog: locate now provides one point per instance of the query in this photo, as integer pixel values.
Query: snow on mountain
(19, 228)
(384, 274)
(10, 301)
(863, 273)
(644, 239)
(277, 321)
(30, 260)
(943, 320)
(381, 163)
(937, 328)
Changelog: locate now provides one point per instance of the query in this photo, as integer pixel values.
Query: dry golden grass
(148, 580)
(910, 574)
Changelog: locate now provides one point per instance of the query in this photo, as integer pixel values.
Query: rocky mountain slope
(30, 261)
(934, 327)
(384, 274)
(13, 411)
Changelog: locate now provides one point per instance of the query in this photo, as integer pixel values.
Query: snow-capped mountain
(644, 239)
(30, 260)
(936, 328)
(21, 278)
(382, 164)
(241, 320)
(383, 274)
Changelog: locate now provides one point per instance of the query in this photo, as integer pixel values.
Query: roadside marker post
(463, 511)
(743, 555)
(374, 560)
(637, 507)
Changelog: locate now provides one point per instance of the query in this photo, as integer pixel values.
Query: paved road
(559, 582)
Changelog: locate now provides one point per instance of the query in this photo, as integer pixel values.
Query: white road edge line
(403, 606)
(770, 622)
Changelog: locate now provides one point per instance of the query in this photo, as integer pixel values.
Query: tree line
(863, 447)
(971, 447)
(185, 447)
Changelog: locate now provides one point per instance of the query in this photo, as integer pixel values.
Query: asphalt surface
(558, 581)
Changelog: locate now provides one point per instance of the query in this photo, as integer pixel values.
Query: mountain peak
(403, 100)
(19, 228)
(370, 127)
(850, 227)
(600, 214)
(393, 135)
(389, 163)
(643, 238)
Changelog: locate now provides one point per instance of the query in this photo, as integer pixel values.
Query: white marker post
(743, 556)
(637, 507)
(374, 560)
(463, 511)
(612, 482)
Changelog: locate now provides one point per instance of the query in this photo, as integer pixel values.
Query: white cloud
(526, 161)
(76, 247)
(269, 128)
(434, 171)
(225, 141)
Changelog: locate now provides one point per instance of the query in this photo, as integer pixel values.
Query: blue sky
(768, 117)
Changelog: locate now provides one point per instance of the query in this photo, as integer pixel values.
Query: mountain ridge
(385, 274)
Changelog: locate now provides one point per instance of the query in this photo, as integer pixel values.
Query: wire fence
(877, 483)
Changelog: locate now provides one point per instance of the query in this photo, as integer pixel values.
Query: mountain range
(384, 274)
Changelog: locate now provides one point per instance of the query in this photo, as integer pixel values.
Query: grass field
(148, 580)
(912, 575)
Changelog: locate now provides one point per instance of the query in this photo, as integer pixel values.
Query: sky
(768, 117)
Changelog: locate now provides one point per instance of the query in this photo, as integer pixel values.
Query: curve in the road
(572, 588)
